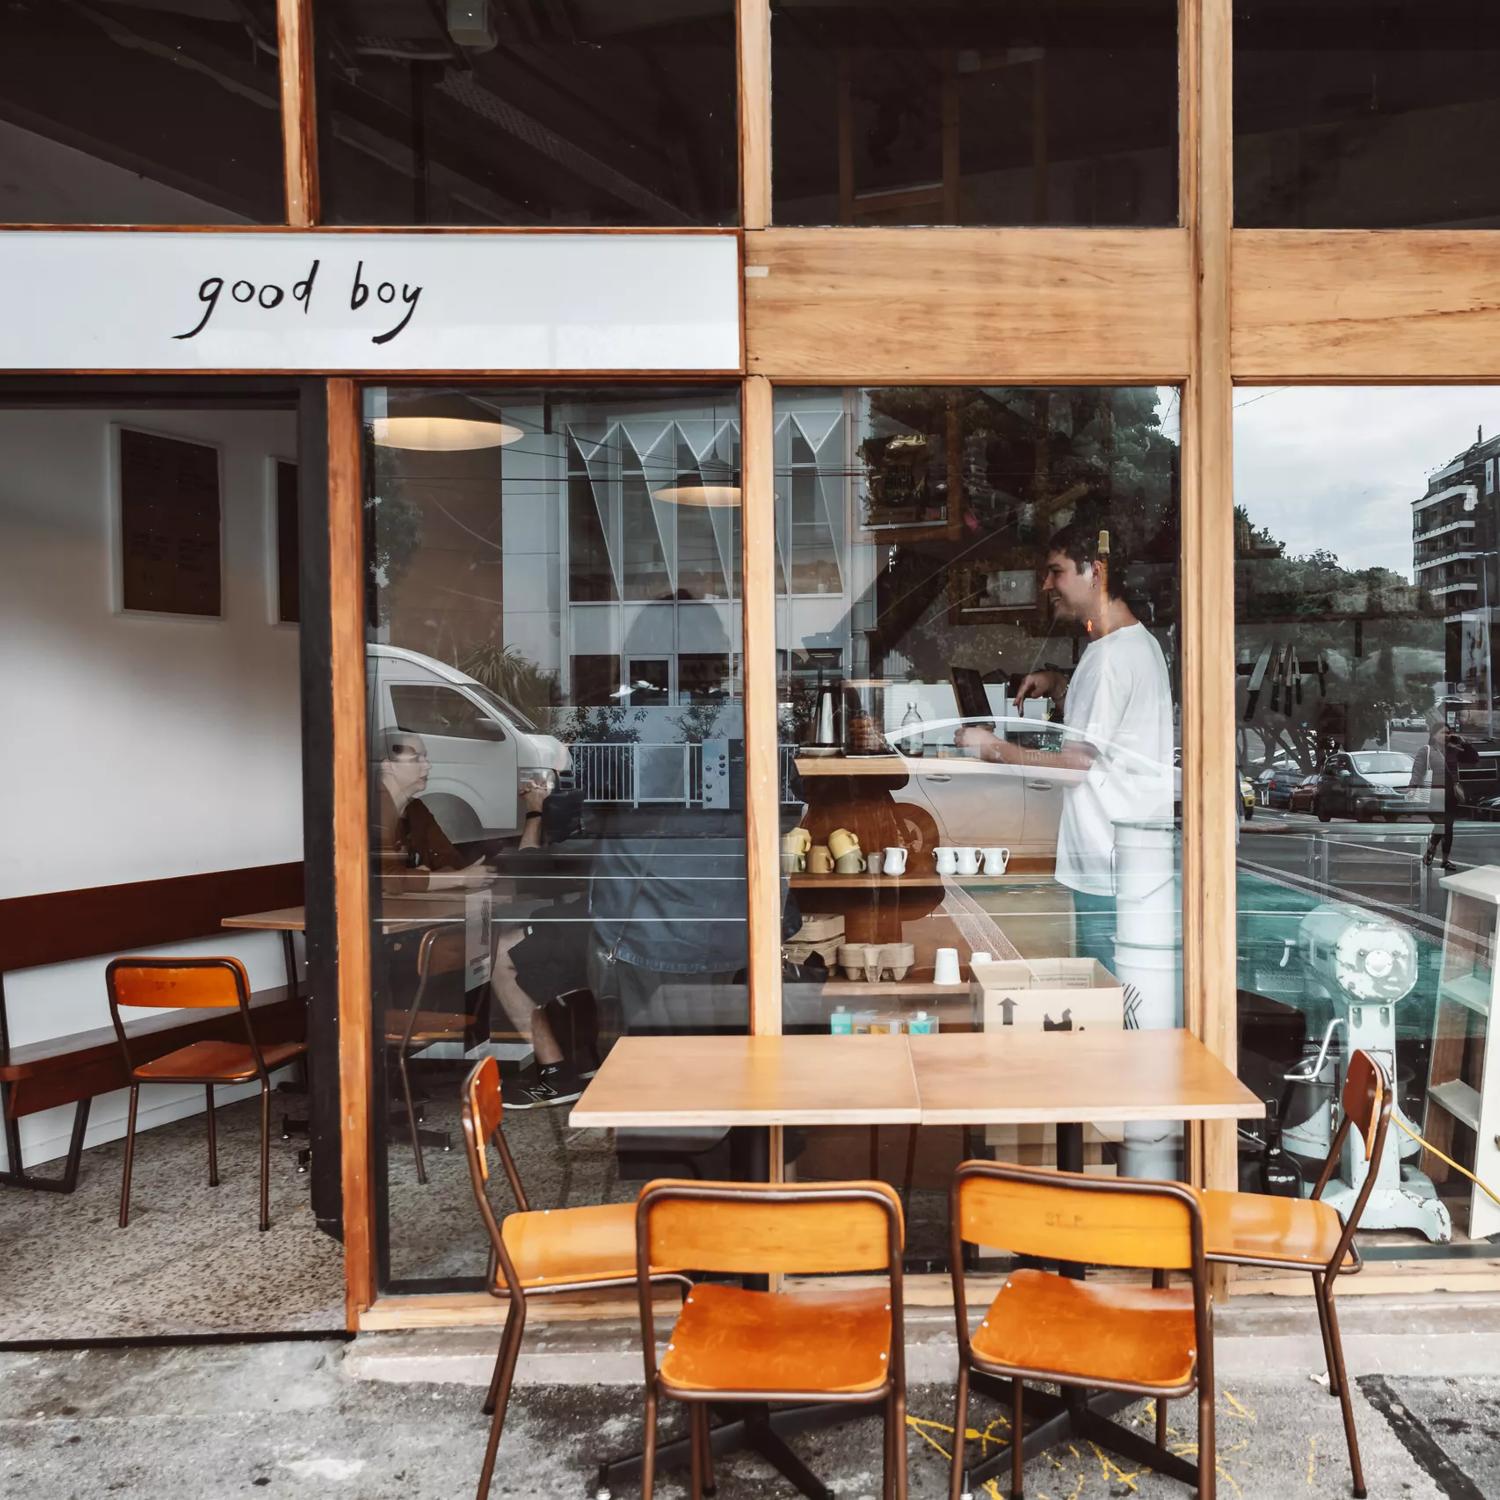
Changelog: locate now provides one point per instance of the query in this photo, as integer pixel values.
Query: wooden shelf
(1017, 871)
(1471, 992)
(1458, 1098)
(893, 765)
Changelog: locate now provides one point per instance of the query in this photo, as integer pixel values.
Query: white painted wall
(138, 747)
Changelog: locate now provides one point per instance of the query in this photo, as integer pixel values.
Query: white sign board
(365, 302)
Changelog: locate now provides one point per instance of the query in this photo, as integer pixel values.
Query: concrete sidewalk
(328, 1419)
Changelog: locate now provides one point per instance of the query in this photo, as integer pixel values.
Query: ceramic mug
(995, 861)
(792, 862)
(797, 841)
(850, 863)
(947, 860)
(842, 842)
(819, 860)
(968, 862)
(895, 861)
(874, 862)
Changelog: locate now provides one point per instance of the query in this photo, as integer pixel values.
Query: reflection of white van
(481, 747)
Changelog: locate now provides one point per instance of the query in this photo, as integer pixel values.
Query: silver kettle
(827, 713)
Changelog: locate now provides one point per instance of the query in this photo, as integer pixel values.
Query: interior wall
(141, 746)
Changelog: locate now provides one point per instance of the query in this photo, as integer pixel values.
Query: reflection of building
(1454, 542)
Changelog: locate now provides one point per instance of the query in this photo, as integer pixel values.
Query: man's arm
(991, 747)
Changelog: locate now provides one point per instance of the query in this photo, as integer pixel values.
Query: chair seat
(547, 1246)
(727, 1339)
(1254, 1226)
(429, 1026)
(222, 1062)
(1091, 1331)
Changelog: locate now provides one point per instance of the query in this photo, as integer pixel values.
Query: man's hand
(1043, 684)
(533, 795)
(975, 737)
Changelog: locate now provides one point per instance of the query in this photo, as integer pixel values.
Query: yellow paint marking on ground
(920, 1427)
(1238, 1408)
(1312, 1458)
(992, 1489)
(1112, 1470)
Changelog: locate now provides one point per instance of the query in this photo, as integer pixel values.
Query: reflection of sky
(1338, 466)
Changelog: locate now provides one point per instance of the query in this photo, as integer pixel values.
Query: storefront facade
(655, 371)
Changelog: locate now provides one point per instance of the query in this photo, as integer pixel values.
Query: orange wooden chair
(1306, 1234)
(441, 952)
(196, 984)
(1152, 1341)
(737, 1345)
(536, 1251)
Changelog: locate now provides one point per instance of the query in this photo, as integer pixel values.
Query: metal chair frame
(497, 1399)
(969, 1364)
(242, 994)
(1374, 1133)
(891, 1393)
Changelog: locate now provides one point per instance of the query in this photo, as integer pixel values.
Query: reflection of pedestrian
(1436, 766)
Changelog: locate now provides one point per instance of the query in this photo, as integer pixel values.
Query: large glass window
(553, 869)
(591, 113)
(140, 112)
(1366, 114)
(974, 112)
(977, 624)
(1369, 862)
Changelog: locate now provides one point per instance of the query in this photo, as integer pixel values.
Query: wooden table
(954, 1078)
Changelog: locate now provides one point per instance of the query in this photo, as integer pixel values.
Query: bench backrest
(63, 925)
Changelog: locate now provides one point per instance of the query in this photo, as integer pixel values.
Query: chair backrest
(482, 1109)
(753, 1228)
(1110, 1221)
(443, 950)
(1368, 1099)
(178, 984)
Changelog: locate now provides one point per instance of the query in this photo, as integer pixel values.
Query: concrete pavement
(328, 1419)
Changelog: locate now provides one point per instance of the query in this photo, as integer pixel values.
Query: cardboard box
(1052, 994)
(1048, 994)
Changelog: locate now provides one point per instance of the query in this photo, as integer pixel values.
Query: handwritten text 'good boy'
(269, 295)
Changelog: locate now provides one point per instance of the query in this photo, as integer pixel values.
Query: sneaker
(555, 1083)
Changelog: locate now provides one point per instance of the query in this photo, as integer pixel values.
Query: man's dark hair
(1079, 541)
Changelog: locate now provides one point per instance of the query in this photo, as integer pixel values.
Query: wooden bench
(62, 926)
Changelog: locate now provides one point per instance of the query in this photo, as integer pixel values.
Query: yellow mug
(819, 860)
(842, 842)
(798, 841)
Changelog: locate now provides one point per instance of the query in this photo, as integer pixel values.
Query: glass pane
(498, 690)
(1369, 869)
(974, 112)
(979, 735)
(1366, 114)
(140, 112)
(599, 112)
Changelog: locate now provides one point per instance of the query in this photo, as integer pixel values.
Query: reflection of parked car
(1366, 784)
(1276, 783)
(481, 747)
(976, 801)
(1304, 794)
(1247, 798)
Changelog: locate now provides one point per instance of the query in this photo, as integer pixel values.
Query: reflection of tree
(393, 523)
(1026, 462)
(516, 678)
(1368, 643)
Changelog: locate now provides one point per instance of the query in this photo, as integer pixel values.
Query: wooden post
(299, 120)
(1210, 780)
(351, 835)
(754, 21)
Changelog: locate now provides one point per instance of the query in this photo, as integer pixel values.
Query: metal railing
(629, 773)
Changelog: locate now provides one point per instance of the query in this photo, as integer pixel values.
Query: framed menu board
(169, 525)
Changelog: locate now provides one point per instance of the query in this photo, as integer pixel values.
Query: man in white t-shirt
(1117, 713)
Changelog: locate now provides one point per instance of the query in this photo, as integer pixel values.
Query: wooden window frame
(1202, 306)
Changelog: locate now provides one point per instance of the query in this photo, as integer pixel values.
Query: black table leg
(16, 1174)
